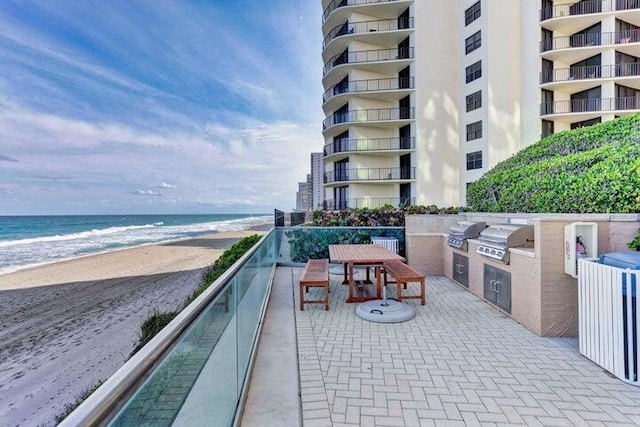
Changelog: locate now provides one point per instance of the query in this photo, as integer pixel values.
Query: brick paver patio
(459, 362)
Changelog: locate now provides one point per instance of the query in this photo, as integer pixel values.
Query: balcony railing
(370, 85)
(215, 337)
(363, 56)
(348, 28)
(371, 203)
(593, 39)
(587, 7)
(370, 174)
(589, 105)
(590, 72)
(371, 144)
(335, 4)
(371, 115)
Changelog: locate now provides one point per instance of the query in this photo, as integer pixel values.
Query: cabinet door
(503, 290)
(461, 269)
(489, 284)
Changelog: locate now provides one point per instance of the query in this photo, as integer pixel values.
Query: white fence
(388, 242)
(609, 317)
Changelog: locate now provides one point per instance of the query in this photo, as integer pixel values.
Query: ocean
(26, 241)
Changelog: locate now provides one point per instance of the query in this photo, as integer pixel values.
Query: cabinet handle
(492, 286)
(459, 268)
(498, 286)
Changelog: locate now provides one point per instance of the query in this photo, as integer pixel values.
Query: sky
(157, 106)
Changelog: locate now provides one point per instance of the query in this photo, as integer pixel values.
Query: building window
(474, 160)
(472, 43)
(587, 100)
(472, 14)
(585, 123)
(474, 71)
(474, 101)
(474, 131)
(548, 128)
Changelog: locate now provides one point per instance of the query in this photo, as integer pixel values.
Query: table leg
(378, 281)
(351, 282)
(345, 281)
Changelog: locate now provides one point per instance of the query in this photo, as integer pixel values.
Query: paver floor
(460, 361)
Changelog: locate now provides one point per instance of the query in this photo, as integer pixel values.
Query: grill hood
(496, 239)
(463, 230)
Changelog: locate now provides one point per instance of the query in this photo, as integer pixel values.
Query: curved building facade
(423, 97)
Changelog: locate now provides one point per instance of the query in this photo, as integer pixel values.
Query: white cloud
(146, 193)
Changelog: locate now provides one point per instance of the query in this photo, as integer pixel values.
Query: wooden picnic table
(366, 255)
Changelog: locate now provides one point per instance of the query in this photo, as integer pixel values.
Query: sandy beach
(65, 326)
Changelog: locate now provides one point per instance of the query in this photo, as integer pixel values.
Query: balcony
(372, 116)
(368, 56)
(370, 174)
(336, 4)
(589, 40)
(371, 144)
(590, 72)
(368, 27)
(580, 8)
(369, 202)
(370, 85)
(595, 105)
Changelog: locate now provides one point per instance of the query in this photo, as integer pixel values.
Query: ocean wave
(32, 251)
(74, 236)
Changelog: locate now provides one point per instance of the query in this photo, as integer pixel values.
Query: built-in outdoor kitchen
(514, 262)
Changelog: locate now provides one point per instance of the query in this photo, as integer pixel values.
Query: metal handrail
(362, 56)
(370, 174)
(369, 144)
(381, 25)
(586, 7)
(369, 85)
(590, 72)
(590, 105)
(369, 115)
(103, 402)
(590, 39)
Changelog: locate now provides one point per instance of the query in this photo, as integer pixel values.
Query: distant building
(304, 196)
(317, 183)
(422, 97)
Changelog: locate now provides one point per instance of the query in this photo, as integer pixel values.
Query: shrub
(588, 170)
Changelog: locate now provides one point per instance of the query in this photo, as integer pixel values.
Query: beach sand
(65, 326)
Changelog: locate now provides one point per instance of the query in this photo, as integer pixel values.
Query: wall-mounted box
(580, 241)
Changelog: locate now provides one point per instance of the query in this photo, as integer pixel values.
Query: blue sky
(158, 106)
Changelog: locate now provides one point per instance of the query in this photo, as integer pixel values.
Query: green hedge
(594, 169)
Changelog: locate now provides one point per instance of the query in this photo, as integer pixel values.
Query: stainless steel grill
(463, 230)
(496, 240)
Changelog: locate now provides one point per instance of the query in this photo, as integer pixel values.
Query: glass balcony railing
(370, 174)
(195, 371)
(364, 56)
(369, 115)
(370, 203)
(335, 4)
(370, 85)
(369, 144)
(367, 27)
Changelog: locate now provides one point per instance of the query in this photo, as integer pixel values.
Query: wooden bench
(404, 274)
(315, 275)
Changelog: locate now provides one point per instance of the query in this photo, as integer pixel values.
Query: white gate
(609, 317)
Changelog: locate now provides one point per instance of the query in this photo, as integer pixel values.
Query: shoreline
(265, 226)
(66, 325)
(17, 269)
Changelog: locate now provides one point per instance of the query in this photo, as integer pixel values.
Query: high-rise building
(423, 97)
(317, 184)
(303, 196)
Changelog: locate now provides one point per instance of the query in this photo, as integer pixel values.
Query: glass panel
(162, 396)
